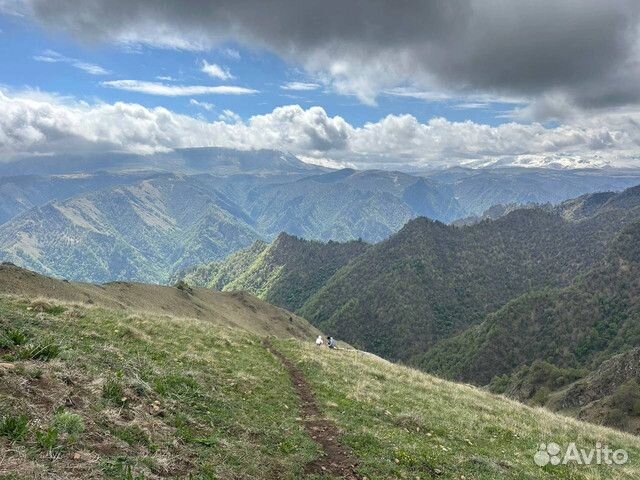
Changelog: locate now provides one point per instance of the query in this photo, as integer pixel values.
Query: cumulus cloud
(586, 51)
(51, 56)
(300, 86)
(156, 88)
(37, 123)
(216, 71)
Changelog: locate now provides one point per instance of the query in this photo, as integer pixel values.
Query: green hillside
(430, 281)
(89, 392)
(286, 272)
(573, 329)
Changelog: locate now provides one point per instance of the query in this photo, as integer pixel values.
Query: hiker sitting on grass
(331, 342)
(319, 341)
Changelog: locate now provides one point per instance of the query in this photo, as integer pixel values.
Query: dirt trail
(336, 458)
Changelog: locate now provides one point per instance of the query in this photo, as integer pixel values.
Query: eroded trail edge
(336, 458)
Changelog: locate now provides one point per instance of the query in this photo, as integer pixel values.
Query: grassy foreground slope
(402, 423)
(88, 392)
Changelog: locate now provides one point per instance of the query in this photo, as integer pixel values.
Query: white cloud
(205, 105)
(471, 105)
(429, 96)
(216, 71)
(39, 123)
(50, 56)
(300, 86)
(165, 78)
(155, 88)
(229, 116)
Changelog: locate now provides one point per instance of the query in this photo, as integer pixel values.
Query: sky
(364, 83)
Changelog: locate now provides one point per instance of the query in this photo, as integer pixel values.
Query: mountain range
(483, 303)
(135, 217)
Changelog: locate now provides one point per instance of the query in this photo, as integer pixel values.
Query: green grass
(14, 427)
(153, 396)
(147, 396)
(402, 423)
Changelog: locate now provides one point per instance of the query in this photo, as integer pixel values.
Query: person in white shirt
(319, 341)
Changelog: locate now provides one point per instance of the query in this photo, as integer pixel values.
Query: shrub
(183, 286)
(615, 418)
(627, 396)
(14, 426)
(541, 396)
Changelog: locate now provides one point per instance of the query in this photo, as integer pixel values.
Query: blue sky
(366, 83)
(23, 41)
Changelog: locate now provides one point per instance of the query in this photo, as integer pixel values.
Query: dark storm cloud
(586, 50)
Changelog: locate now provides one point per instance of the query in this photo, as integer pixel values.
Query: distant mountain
(348, 204)
(477, 190)
(20, 193)
(286, 272)
(142, 231)
(146, 231)
(249, 195)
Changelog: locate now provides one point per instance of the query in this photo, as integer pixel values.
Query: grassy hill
(92, 392)
(237, 309)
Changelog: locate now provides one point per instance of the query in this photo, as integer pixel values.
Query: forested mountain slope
(579, 325)
(430, 280)
(286, 272)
